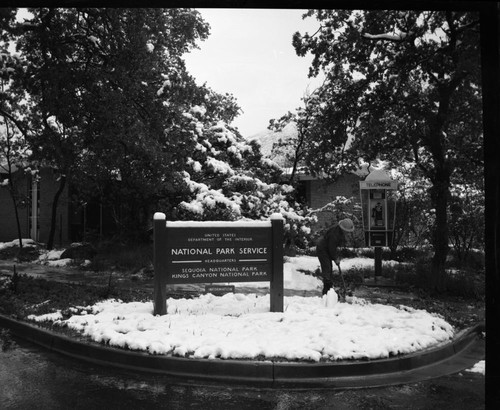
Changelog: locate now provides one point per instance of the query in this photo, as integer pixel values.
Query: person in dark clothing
(327, 250)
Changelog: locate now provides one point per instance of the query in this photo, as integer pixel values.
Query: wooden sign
(217, 251)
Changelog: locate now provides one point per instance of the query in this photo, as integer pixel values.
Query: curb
(462, 352)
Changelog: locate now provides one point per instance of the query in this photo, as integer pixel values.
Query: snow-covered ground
(479, 367)
(50, 258)
(240, 326)
(26, 242)
(294, 269)
(53, 258)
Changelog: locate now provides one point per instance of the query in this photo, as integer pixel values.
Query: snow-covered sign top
(218, 224)
(378, 175)
(377, 179)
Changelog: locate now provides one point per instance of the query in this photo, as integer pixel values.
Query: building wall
(48, 188)
(8, 226)
(320, 193)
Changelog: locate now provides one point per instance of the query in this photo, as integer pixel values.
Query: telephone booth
(378, 208)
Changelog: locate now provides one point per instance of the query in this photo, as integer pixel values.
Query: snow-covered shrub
(226, 178)
(5, 283)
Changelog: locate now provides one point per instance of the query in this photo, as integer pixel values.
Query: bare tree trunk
(296, 158)
(16, 211)
(440, 191)
(439, 197)
(53, 219)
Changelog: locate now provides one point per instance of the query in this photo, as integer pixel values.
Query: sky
(249, 54)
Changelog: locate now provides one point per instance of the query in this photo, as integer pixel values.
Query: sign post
(276, 286)
(215, 252)
(160, 290)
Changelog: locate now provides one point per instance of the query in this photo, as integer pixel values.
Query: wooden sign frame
(217, 252)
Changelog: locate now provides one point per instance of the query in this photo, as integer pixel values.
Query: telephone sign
(378, 208)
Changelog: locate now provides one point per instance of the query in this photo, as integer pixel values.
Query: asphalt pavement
(34, 377)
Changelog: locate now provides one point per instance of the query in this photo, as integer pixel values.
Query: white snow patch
(330, 299)
(218, 224)
(48, 317)
(60, 263)
(237, 326)
(479, 367)
(50, 256)
(15, 242)
(294, 268)
(219, 166)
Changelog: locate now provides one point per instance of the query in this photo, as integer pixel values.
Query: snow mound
(238, 326)
(479, 367)
(60, 262)
(52, 255)
(15, 242)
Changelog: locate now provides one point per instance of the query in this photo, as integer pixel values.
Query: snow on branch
(399, 36)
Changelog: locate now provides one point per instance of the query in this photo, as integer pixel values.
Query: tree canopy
(106, 101)
(401, 86)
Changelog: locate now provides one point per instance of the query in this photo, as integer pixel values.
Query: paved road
(32, 377)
